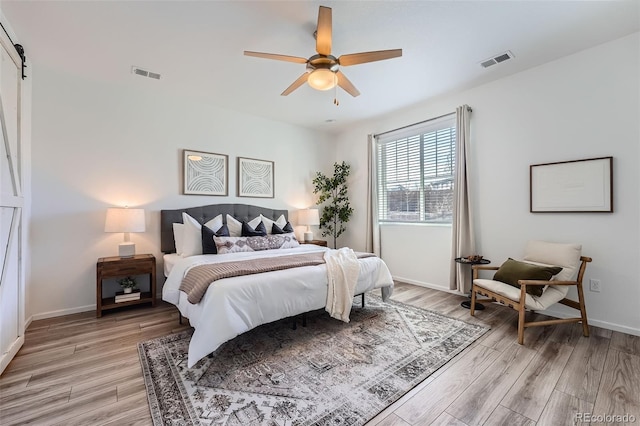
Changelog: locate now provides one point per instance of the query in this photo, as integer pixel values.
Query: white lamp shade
(309, 217)
(124, 220)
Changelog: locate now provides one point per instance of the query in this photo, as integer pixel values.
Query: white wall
(97, 146)
(582, 106)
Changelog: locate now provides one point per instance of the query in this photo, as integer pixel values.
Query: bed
(232, 306)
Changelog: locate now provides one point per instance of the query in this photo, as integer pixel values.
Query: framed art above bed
(205, 173)
(255, 178)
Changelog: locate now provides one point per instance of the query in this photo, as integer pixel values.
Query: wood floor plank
(581, 377)
(61, 411)
(563, 409)
(17, 412)
(75, 371)
(619, 391)
(390, 420)
(428, 404)
(113, 379)
(136, 417)
(504, 416)
(625, 343)
(530, 393)
(125, 411)
(446, 419)
(479, 400)
(501, 337)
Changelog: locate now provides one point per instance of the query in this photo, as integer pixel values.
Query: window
(416, 168)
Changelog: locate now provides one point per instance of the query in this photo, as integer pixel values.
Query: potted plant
(333, 189)
(127, 284)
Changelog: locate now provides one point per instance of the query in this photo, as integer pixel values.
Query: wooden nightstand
(322, 243)
(116, 267)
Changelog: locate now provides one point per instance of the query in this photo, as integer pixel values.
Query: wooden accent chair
(542, 253)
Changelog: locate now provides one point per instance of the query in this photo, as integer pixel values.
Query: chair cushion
(550, 295)
(511, 271)
(560, 254)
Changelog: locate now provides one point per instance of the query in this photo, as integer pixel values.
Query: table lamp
(125, 220)
(308, 217)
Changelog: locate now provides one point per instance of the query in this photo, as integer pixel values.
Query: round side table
(465, 261)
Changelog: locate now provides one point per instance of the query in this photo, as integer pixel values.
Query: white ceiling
(198, 47)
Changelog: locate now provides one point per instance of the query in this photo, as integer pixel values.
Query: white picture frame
(579, 186)
(255, 178)
(205, 173)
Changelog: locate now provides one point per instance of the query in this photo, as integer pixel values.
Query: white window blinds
(415, 172)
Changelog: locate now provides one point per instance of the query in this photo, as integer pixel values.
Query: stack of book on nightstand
(121, 296)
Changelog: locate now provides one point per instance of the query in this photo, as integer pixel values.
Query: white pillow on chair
(557, 254)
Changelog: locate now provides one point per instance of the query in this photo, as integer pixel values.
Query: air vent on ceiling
(497, 59)
(145, 73)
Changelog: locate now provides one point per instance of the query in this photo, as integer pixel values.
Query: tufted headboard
(203, 214)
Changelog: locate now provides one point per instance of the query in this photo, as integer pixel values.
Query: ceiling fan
(323, 69)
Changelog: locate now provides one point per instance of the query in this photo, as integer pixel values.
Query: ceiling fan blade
(299, 82)
(361, 58)
(296, 59)
(344, 82)
(323, 32)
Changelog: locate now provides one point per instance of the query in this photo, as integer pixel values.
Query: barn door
(12, 305)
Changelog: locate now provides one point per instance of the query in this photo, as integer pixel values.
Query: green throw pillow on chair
(512, 270)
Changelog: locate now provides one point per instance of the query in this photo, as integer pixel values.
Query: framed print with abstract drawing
(205, 173)
(255, 178)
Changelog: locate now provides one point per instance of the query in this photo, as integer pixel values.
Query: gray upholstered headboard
(203, 214)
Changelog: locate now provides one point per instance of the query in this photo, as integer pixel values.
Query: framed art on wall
(572, 186)
(255, 178)
(205, 173)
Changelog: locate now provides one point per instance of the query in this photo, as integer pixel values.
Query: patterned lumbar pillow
(511, 271)
(243, 244)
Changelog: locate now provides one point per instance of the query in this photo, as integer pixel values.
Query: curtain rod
(420, 122)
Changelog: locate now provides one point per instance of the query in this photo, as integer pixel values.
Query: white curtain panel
(463, 243)
(373, 227)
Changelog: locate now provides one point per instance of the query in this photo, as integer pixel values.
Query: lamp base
(127, 249)
(308, 236)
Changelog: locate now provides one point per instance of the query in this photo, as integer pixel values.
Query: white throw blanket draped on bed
(342, 275)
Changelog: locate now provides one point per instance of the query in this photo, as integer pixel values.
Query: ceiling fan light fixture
(322, 79)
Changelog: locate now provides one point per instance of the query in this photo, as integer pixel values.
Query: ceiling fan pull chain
(335, 90)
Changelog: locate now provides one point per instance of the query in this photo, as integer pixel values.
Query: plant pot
(128, 290)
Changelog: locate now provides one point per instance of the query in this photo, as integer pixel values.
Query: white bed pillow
(268, 223)
(178, 236)
(235, 226)
(192, 235)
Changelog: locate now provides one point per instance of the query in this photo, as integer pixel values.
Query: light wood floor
(82, 370)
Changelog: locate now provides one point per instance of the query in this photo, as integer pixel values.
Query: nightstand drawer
(125, 269)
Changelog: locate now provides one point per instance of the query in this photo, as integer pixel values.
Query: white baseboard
(427, 285)
(11, 352)
(62, 312)
(595, 322)
(27, 323)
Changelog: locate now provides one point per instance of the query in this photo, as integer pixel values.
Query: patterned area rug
(328, 373)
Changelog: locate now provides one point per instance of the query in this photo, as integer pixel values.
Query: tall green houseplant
(333, 189)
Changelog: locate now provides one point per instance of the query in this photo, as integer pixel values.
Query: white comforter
(232, 306)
